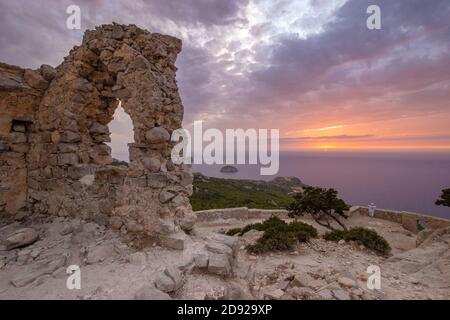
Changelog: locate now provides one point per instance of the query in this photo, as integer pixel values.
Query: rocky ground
(214, 266)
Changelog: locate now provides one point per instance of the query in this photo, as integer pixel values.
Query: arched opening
(121, 134)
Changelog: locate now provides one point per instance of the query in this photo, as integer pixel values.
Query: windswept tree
(445, 198)
(320, 203)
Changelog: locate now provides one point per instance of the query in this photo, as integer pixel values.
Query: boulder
(231, 242)
(423, 235)
(157, 135)
(325, 294)
(137, 258)
(99, 253)
(166, 196)
(164, 283)
(301, 293)
(152, 164)
(187, 223)
(151, 293)
(251, 236)
(219, 248)
(47, 72)
(341, 294)
(98, 128)
(166, 226)
(271, 293)
(347, 282)
(305, 280)
(219, 264)
(173, 241)
(18, 137)
(35, 80)
(201, 259)
(18, 239)
(50, 265)
(157, 180)
(169, 280)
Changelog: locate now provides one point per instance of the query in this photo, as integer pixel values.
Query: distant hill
(217, 193)
(117, 162)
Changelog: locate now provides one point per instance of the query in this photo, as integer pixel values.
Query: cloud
(281, 64)
(338, 137)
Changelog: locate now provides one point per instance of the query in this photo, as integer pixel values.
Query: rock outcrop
(53, 130)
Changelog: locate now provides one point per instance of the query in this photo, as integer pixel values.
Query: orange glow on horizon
(326, 147)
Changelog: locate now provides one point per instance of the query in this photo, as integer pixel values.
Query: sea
(400, 180)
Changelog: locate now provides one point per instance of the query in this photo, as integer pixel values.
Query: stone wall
(242, 213)
(18, 104)
(413, 222)
(53, 132)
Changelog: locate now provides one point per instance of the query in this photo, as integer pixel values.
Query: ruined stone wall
(20, 95)
(411, 221)
(242, 213)
(69, 171)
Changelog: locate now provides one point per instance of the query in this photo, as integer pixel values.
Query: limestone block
(35, 80)
(219, 264)
(173, 241)
(166, 196)
(18, 137)
(157, 135)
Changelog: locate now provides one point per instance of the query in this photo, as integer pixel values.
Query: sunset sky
(310, 68)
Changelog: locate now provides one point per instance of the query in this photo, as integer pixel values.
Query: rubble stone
(219, 264)
(151, 293)
(19, 238)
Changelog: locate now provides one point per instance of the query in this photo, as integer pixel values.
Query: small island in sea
(228, 169)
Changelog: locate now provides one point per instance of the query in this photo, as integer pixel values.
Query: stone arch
(72, 174)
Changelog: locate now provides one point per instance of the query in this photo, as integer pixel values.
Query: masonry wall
(65, 164)
(18, 104)
(242, 213)
(413, 222)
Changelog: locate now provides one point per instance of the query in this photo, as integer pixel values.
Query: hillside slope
(218, 193)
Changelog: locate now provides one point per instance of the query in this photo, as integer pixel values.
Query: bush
(254, 226)
(335, 235)
(301, 227)
(233, 231)
(368, 238)
(444, 200)
(272, 240)
(269, 223)
(279, 235)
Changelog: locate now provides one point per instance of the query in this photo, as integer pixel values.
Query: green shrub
(335, 235)
(253, 226)
(368, 238)
(233, 231)
(269, 223)
(279, 235)
(301, 227)
(272, 240)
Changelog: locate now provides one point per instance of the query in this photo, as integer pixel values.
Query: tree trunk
(317, 220)
(338, 222)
